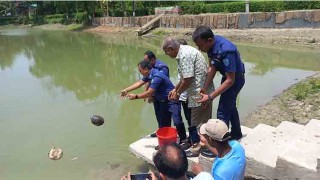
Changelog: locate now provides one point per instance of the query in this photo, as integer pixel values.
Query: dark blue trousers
(187, 111)
(165, 110)
(227, 109)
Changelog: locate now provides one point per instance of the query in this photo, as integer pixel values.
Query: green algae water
(51, 82)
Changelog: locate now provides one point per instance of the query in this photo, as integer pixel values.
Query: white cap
(215, 129)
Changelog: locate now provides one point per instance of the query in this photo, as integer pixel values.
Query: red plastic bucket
(166, 135)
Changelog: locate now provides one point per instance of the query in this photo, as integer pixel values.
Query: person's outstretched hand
(123, 93)
(126, 177)
(131, 96)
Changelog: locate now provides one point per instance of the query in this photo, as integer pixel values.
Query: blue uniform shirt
(232, 166)
(160, 66)
(160, 83)
(225, 57)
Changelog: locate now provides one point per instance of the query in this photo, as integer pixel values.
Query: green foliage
(76, 27)
(14, 20)
(239, 6)
(266, 6)
(5, 21)
(78, 11)
(55, 16)
(193, 7)
(229, 7)
(304, 89)
(292, 5)
(161, 33)
(98, 13)
(80, 17)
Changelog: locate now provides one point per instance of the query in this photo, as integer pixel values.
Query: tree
(7, 7)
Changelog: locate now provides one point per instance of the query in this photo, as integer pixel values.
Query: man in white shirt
(192, 68)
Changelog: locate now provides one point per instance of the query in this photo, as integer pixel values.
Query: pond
(53, 81)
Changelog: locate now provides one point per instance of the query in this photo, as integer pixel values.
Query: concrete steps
(257, 143)
(261, 156)
(288, 151)
(298, 141)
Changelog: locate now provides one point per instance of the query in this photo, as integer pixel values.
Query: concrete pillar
(133, 9)
(247, 6)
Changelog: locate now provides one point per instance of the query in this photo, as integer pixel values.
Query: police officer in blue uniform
(156, 63)
(161, 67)
(160, 86)
(225, 58)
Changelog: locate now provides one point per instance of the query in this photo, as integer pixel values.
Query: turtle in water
(97, 120)
(55, 153)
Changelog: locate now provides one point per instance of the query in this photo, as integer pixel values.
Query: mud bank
(299, 36)
(294, 104)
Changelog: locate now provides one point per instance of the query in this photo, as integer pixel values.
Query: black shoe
(153, 135)
(194, 150)
(185, 144)
(207, 153)
(191, 154)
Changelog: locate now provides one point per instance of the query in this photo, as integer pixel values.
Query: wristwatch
(178, 94)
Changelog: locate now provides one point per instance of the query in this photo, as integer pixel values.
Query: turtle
(55, 153)
(97, 120)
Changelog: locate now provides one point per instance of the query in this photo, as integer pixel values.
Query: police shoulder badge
(226, 61)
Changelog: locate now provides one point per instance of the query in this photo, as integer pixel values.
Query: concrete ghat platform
(144, 148)
(289, 151)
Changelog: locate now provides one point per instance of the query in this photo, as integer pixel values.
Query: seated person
(172, 164)
(230, 163)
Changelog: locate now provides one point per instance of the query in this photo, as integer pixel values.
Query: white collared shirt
(191, 63)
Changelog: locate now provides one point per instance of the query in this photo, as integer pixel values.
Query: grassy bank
(58, 26)
(299, 103)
